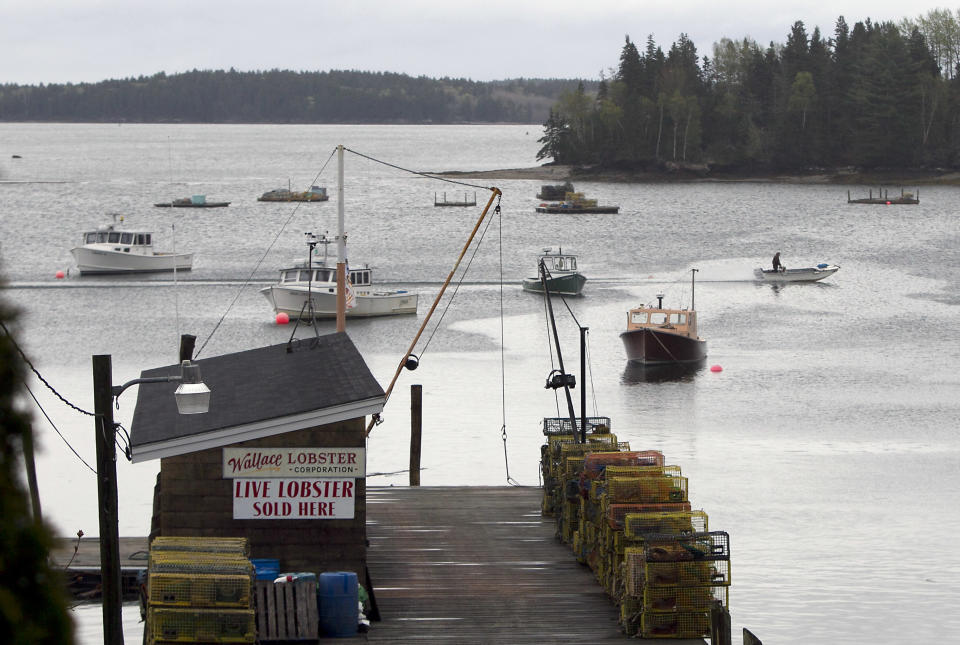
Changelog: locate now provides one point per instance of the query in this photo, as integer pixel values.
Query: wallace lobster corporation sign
(246, 463)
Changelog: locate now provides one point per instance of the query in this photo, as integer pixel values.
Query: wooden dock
(480, 565)
(466, 565)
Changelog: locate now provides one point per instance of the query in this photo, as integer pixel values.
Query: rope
(503, 362)
(57, 430)
(260, 261)
(416, 172)
(463, 275)
(39, 376)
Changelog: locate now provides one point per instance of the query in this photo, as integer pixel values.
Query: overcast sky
(56, 41)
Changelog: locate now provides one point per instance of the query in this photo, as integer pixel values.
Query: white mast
(341, 249)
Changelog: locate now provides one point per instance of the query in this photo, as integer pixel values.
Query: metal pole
(341, 249)
(556, 339)
(583, 384)
(107, 500)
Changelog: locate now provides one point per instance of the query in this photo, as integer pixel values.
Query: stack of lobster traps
(624, 513)
(199, 591)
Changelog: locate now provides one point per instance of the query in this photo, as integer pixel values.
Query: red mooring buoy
(60, 275)
(282, 318)
(716, 368)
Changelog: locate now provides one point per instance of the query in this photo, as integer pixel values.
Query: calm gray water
(827, 447)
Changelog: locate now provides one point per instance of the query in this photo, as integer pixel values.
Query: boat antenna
(693, 275)
(176, 293)
(308, 305)
(559, 378)
(494, 194)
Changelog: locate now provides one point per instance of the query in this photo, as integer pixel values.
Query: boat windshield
(564, 263)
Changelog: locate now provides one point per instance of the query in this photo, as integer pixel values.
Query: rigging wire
(503, 359)
(38, 375)
(463, 275)
(260, 261)
(416, 172)
(57, 430)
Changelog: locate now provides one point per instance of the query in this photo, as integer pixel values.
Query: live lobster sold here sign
(293, 499)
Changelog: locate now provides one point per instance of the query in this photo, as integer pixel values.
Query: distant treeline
(879, 95)
(285, 97)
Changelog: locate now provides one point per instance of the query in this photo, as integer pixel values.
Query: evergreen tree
(32, 596)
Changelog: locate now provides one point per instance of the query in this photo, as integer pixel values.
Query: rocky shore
(558, 174)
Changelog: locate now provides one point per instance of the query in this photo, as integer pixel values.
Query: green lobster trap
(198, 590)
(561, 425)
(714, 545)
(685, 598)
(647, 490)
(681, 624)
(616, 515)
(170, 625)
(638, 525)
(191, 562)
(236, 546)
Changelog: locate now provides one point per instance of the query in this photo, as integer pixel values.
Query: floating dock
(441, 200)
(884, 198)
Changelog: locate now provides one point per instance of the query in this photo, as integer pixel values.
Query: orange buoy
(716, 368)
(282, 318)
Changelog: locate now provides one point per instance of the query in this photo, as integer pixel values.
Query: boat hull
(582, 209)
(655, 347)
(806, 274)
(291, 301)
(93, 261)
(564, 285)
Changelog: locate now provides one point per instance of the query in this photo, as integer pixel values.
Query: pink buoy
(282, 318)
(716, 368)
(60, 275)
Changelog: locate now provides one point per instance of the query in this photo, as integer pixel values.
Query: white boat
(563, 278)
(113, 250)
(314, 280)
(806, 274)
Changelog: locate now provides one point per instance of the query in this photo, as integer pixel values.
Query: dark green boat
(563, 277)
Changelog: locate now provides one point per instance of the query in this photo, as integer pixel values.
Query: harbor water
(827, 446)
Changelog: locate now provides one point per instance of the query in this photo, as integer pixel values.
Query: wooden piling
(416, 429)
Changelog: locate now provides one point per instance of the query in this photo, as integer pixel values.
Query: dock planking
(480, 565)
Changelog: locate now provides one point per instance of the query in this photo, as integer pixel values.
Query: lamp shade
(192, 398)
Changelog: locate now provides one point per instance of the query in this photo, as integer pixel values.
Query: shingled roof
(257, 393)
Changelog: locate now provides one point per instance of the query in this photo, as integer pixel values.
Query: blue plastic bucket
(266, 568)
(339, 611)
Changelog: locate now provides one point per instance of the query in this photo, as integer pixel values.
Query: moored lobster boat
(112, 250)
(805, 274)
(659, 336)
(563, 277)
(308, 289)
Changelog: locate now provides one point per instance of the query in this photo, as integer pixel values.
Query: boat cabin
(678, 321)
(358, 277)
(557, 262)
(110, 236)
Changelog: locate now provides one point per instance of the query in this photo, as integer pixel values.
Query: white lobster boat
(314, 280)
(113, 250)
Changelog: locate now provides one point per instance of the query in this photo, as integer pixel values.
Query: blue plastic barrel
(339, 610)
(266, 568)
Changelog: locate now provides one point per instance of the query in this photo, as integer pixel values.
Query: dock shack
(279, 464)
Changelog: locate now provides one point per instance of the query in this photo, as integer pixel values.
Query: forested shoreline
(874, 96)
(278, 96)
